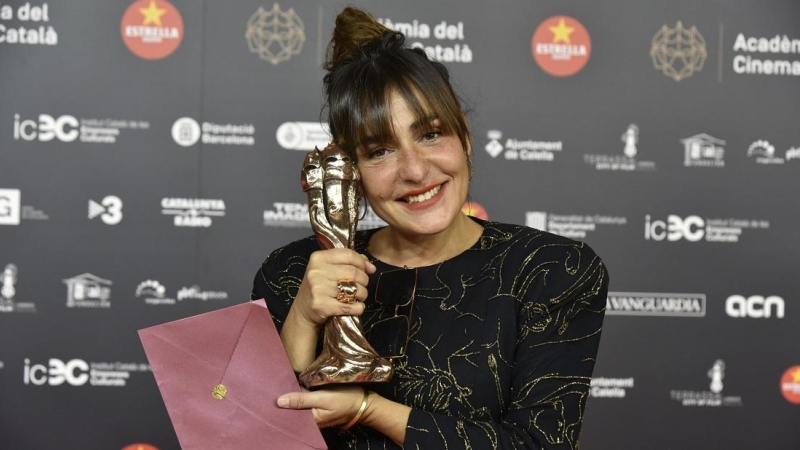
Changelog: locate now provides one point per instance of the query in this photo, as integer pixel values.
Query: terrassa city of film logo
(561, 46)
(152, 29)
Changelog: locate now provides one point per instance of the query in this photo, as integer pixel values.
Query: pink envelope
(239, 348)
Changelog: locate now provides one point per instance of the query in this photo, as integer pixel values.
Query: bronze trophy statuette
(331, 180)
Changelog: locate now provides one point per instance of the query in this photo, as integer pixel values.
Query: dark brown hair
(366, 63)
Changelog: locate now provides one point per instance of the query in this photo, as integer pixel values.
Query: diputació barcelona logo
(152, 29)
(561, 46)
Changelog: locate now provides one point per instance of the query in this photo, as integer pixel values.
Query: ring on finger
(347, 291)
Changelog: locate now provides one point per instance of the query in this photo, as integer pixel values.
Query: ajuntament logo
(678, 52)
(275, 35)
(521, 149)
(604, 387)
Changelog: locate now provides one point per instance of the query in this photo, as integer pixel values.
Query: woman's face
(418, 183)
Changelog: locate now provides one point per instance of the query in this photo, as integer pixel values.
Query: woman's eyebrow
(423, 123)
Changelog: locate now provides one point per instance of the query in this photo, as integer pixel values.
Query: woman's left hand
(330, 406)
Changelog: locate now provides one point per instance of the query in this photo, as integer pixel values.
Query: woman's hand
(331, 406)
(316, 299)
(338, 405)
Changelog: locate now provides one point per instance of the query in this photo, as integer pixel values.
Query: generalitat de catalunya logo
(152, 29)
(561, 46)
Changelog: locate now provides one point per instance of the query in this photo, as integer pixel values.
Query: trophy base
(334, 371)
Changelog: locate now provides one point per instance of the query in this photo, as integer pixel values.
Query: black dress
(502, 345)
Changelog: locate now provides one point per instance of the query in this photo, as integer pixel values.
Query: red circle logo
(139, 447)
(475, 210)
(790, 385)
(561, 46)
(152, 29)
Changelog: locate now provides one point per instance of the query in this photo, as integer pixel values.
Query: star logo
(561, 32)
(152, 14)
(151, 32)
(790, 385)
(561, 46)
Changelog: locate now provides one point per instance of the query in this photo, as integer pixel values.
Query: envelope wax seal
(219, 392)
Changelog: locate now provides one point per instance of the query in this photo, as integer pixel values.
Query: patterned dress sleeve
(562, 295)
(278, 279)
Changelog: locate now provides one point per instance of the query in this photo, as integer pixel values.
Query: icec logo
(63, 128)
(692, 228)
(74, 372)
(755, 306)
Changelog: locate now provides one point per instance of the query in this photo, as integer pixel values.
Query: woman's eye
(431, 135)
(376, 153)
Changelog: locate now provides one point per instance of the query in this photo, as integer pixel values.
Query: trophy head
(311, 175)
(337, 165)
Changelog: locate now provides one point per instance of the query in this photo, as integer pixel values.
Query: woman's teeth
(424, 196)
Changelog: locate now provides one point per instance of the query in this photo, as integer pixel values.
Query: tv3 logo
(109, 209)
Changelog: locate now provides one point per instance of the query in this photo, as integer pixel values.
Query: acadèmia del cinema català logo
(152, 29)
(561, 46)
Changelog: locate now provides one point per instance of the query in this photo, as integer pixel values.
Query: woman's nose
(413, 164)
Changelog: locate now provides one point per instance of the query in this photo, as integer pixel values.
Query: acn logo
(73, 372)
(755, 306)
(692, 228)
(64, 128)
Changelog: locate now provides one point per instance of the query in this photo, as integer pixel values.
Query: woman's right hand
(316, 298)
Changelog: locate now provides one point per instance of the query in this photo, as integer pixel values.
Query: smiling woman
(498, 325)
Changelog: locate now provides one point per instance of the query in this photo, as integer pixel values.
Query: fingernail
(283, 402)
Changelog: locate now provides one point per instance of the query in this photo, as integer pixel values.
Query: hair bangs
(360, 99)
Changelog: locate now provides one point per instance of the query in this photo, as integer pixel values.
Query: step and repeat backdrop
(150, 154)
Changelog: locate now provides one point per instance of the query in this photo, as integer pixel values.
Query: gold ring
(347, 291)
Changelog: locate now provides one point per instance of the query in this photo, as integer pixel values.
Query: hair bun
(354, 28)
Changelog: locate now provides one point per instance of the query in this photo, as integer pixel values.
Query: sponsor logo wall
(146, 171)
